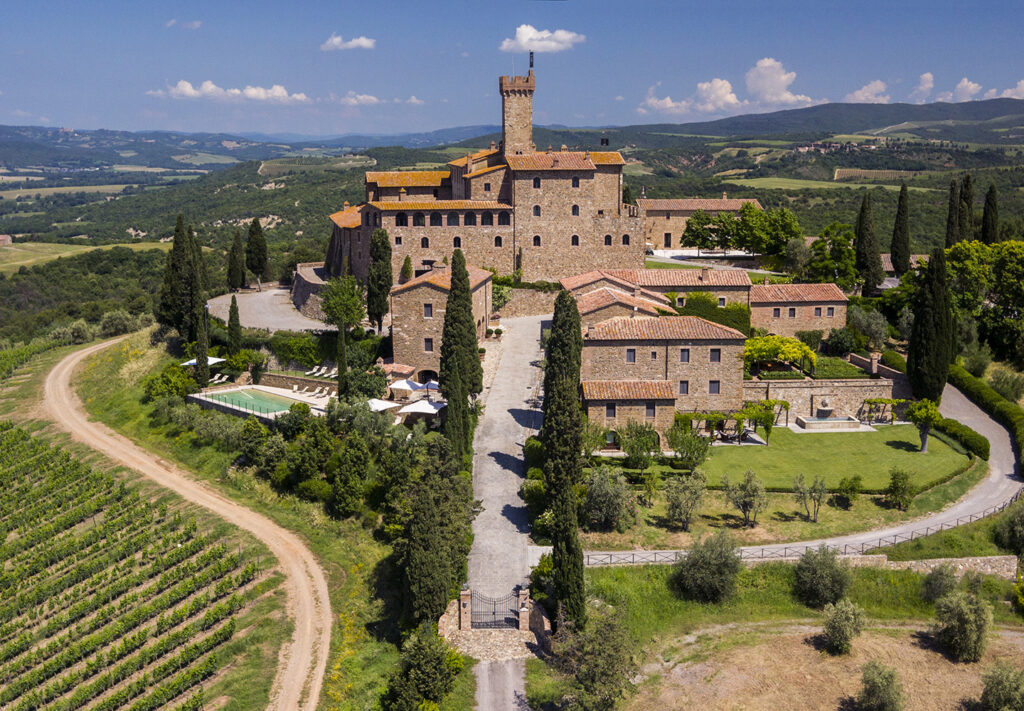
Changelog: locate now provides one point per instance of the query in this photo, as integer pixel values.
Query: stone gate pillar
(465, 608)
(524, 604)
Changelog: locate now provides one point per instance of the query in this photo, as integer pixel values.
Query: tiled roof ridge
(661, 329)
(442, 278)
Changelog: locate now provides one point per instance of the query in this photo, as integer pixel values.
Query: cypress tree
(931, 336)
(966, 216)
(867, 259)
(953, 215)
(459, 307)
(236, 263)
(202, 346)
(456, 417)
(426, 565)
(379, 279)
(234, 328)
(342, 303)
(990, 218)
(169, 300)
(406, 273)
(256, 251)
(202, 279)
(900, 248)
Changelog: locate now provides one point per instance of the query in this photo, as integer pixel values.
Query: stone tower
(517, 113)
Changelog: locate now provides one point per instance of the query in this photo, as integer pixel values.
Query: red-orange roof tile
(607, 158)
(605, 296)
(794, 293)
(442, 278)
(580, 280)
(555, 160)
(440, 205)
(628, 390)
(487, 152)
(407, 178)
(349, 217)
(666, 278)
(485, 171)
(669, 328)
(691, 204)
(914, 259)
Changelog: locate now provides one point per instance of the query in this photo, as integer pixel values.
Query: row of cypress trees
(960, 213)
(253, 256)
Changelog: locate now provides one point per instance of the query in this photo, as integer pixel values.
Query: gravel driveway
(271, 309)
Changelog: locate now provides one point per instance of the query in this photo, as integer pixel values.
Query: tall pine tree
(899, 250)
(202, 349)
(379, 279)
(234, 328)
(990, 218)
(931, 336)
(868, 261)
(236, 263)
(256, 251)
(953, 215)
(966, 216)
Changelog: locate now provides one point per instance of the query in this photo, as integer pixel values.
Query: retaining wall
(529, 302)
(845, 396)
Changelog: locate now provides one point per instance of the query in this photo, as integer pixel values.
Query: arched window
(424, 242)
(470, 219)
(575, 210)
(536, 210)
(417, 219)
(536, 240)
(575, 181)
(486, 218)
(457, 242)
(453, 219)
(401, 220)
(497, 241)
(504, 218)
(575, 240)
(536, 182)
(435, 219)
(625, 240)
(607, 240)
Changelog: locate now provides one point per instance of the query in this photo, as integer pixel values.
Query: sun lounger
(311, 371)
(333, 373)
(318, 392)
(295, 388)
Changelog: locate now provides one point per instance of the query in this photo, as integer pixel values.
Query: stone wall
(804, 318)
(900, 381)
(1001, 566)
(307, 282)
(529, 302)
(279, 380)
(846, 396)
(631, 410)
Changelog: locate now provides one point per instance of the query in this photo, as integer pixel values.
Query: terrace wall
(846, 396)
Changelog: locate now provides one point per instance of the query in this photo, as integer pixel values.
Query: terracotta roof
(555, 160)
(793, 293)
(691, 204)
(914, 259)
(673, 328)
(400, 370)
(349, 217)
(476, 156)
(442, 278)
(439, 205)
(628, 390)
(605, 296)
(407, 178)
(607, 158)
(484, 171)
(662, 278)
(575, 282)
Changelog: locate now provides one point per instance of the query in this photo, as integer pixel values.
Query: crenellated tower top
(517, 113)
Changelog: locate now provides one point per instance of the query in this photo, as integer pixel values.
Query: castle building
(665, 220)
(549, 213)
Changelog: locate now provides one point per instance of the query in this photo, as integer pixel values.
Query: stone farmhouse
(784, 309)
(417, 317)
(665, 220)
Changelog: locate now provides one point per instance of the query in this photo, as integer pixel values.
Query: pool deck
(316, 404)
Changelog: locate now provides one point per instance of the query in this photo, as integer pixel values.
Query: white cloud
(208, 90)
(171, 23)
(716, 95)
(965, 90)
(336, 42)
(663, 105)
(992, 93)
(528, 38)
(190, 25)
(870, 93)
(354, 99)
(1016, 92)
(414, 101)
(924, 87)
(620, 98)
(768, 81)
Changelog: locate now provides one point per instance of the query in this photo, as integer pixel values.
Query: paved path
(1002, 482)
(271, 309)
(499, 558)
(303, 660)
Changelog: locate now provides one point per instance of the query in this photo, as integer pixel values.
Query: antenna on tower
(531, 59)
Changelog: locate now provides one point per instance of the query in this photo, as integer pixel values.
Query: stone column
(525, 604)
(465, 609)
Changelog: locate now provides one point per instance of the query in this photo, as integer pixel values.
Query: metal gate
(495, 613)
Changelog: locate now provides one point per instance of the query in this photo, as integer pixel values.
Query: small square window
(631, 355)
(428, 345)
(792, 312)
(830, 312)
(684, 387)
(721, 301)
(684, 355)
(716, 355)
(487, 187)
(428, 311)
(649, 409)
(609, 410)
(817, 311)
(776, 313)
(398, 240)
(575, 182)
(536, 182)
(714, 387)
(654, 355)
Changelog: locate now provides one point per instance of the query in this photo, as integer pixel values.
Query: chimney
(549, 149)
(564, 148)
(586, 154)
(767, 281)
(401, 194)
(704, 273)
(724, 196)
(643, 191)
(346, 204)
(874, 363)
(469, 163)
(492, 145)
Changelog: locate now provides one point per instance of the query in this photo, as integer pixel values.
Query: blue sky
(324, 68)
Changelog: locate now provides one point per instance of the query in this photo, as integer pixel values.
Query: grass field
(798, 184)
(27, 254)
(32, 192)
(204, 158)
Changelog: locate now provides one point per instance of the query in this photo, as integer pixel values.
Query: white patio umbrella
(209, 361)
(377, 405)
(406, 384)
(423, 407)
(432, 385)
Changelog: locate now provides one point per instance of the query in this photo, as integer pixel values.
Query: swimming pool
(253, 400)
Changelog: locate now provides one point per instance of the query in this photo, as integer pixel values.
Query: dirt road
(303, 659)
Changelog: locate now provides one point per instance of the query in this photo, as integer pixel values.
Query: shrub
(977, 360)
(840, 341)
(939, 582)
(690, 448)
(880, 690)
(1003, 688)
(115, 323)
(1007, 383)
(1008, 414)
(172, 381)
(894, 360)
(749, 496)
(843, 621)
(972, 441)
(812, 339)
(821, 578)
(542, 582)
(683, 496)
(609, 503)
(427, 673)
(81, 332)
(1009, 531)
(900, 492)
(639, 442)
(532, 492)
(962, 624)
(533, 451)
(315, 490)
(707, 573)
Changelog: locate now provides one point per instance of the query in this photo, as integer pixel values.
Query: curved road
(303, 659)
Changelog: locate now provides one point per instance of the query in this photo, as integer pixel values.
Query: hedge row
(894, 360)
(1002, 410)
(971, 440)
